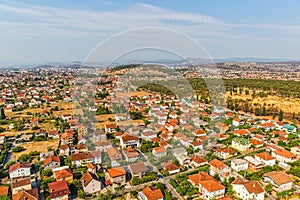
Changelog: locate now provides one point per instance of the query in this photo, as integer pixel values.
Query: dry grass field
(120, 123)
(288, 105)
(37, 146)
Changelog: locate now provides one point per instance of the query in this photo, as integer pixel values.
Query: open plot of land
(288, 105)
(136, 93)
(37, 146)
(121, 123)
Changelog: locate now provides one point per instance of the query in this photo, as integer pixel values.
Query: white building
(239, 164)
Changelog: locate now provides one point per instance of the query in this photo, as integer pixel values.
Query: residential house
(138, 169)
(116, 175)
(103, 145)
(285, 156)
(237, 122)
(197, 161)
(289, 128)
(266, 158)
(32, 194)
(53, 134)
(131, 154)
(151, 194)
(240, 144)
(91, 183)
(253, 163)
(159, 152)
(171, 168)
(18, 184)
(91, 167)
(129, 141)
(279, 180)
(296, 150)
(209, 188)
(222, 127)
(225, 153)
(248, 190)
(51, 162)
(114, 154)
(63, 173)
(20, 169)
(64, 150)
(59, 190)
(239, 164)
(219, 168)
(81, 148)
(110, 127)
(97, 157)
(80, 159)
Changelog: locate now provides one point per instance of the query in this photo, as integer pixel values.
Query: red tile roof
(152, 194)
(117, 171)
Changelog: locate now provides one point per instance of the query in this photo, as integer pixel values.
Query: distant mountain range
(175, 62)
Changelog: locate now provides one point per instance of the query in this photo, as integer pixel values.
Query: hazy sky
(66, 30)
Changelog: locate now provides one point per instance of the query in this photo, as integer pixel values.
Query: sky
(35, 31)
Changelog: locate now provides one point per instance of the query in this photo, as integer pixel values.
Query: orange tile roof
(201, 176)
(279, 177)
(265, 156)
(51, 159)
(32, 194)
(19, 165)
(218, 164)
(4, 190)
(117, 171)
(285, 153)
(62, 174)
(160, 150)
(87, 178)
(152, 194)
(254, 187)
(171, 166)
(256, 142)
(241, 132)
(211, 185)
(198, 159)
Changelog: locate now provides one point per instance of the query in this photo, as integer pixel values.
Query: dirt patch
(37, 146)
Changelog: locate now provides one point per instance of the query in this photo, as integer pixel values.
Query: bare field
(37, 146)
(288, 105)
(136, 93)
(121, 123)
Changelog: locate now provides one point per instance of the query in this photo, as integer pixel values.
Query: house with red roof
(159, 151)
(209, 188)
(267, 126)
(59, 190)
(265, 158)
(248, 190)
(63, 173)
(91, 183)
(197, 161)
(149, 193)
(219, 168)
(32, 194)
(20, 169)
(116, 175)
(171, 168)
(128, 140)
(18, 184)
(285, 156)
(51, 162)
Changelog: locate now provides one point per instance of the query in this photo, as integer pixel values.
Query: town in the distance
(124, 132)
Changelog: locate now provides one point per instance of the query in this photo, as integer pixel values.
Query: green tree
(280, 118)
(2, 114)
(269, 188)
